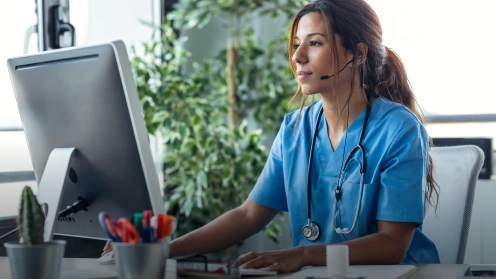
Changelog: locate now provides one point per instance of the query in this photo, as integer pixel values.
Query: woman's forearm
(378, 248)
(225, 231)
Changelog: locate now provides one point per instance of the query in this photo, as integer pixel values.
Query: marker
(147, 234)
(147, 216)
(138, 220)
(168, 225)
(147, 231)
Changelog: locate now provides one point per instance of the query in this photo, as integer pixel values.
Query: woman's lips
(303, 75)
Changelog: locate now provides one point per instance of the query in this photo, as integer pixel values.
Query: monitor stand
(50, 193)
(51, 187)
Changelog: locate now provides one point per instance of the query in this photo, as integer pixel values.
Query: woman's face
(313, 56)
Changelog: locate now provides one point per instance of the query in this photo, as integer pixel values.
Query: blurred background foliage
(212, 161)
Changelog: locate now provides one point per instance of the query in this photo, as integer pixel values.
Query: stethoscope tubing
(310, 161)
(343, 167)
(357, 210)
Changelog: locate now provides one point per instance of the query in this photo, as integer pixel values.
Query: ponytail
(395, 86)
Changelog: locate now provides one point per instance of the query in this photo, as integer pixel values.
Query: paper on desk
(256, 272)
(355, 271)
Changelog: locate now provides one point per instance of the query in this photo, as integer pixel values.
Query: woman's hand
(282, 261)
(108, 248)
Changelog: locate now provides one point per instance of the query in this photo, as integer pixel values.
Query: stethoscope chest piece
(311, 231)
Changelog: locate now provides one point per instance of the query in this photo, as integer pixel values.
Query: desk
(69, 265)
(481, 244)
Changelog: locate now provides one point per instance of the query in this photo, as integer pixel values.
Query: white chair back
(456, 170)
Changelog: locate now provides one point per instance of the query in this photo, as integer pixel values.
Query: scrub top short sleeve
(269, 190)
(396, 147)
(404, 168)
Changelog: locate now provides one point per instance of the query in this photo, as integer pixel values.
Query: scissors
(121, 231)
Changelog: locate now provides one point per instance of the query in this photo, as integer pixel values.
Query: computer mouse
(107, 258)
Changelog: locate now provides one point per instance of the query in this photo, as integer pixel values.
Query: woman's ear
(361, 56)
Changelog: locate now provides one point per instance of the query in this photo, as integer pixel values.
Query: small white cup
(337, 260)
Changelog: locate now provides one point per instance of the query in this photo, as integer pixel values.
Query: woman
(336, 51)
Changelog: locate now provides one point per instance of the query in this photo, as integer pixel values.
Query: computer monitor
(86, 135)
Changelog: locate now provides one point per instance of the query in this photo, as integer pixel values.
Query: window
(446, 48)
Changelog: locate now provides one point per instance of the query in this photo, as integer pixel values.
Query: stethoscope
(311, 230)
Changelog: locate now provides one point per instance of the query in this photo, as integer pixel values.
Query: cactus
(31, 218)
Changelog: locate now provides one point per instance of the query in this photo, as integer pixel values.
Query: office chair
(456, 169)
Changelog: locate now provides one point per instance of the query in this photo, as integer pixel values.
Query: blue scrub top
(396, 148)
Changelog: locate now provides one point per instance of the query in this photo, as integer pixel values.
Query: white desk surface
(443, 271)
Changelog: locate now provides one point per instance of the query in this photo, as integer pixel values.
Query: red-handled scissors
(121, 231)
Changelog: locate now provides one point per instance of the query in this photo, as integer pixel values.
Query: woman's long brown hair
(382, 73)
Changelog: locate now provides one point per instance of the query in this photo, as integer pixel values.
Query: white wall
(102, 21)
(16, 16)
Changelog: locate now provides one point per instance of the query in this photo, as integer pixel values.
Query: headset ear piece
(359, 58)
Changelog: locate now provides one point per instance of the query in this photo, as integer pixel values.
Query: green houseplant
(254, 75)
(212, 160)
(43, 258)
(31, 219)
(209, 167)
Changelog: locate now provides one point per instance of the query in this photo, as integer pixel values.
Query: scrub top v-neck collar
(331, 160)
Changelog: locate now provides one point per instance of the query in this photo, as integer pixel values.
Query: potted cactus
(43, 258)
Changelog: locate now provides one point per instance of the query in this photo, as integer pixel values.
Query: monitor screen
(85, 98)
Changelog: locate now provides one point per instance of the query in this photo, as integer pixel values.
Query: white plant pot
(40, 261)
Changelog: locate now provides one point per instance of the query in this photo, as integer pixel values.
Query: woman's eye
(314, 43)
(295, 46)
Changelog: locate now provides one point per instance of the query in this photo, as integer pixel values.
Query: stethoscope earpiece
(342, 231)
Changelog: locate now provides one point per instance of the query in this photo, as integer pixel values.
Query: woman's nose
(299, 56)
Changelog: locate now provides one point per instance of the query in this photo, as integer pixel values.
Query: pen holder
(142, 260)
(41, 261)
